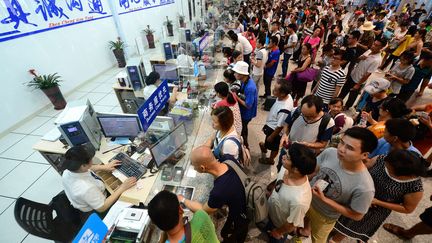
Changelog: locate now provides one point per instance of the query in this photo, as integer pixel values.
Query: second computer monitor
(166, 71)
(169, 144)
(119, 125)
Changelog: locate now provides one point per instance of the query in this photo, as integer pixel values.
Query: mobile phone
(321, 184)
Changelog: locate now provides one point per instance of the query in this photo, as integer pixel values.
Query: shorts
(426, 216)
(272, 146)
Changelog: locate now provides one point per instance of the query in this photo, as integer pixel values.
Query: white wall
(78, 53)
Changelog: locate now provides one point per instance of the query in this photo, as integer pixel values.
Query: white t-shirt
(369, 65)
(277, 119)
(228, 146)
(148, 90)
(260, 54)
(290, 203)
(246, 46)
(293, 38)
(85, 192)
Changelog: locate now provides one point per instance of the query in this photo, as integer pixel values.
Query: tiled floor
(25, 173)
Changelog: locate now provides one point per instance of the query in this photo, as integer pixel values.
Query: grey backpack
(256, 200)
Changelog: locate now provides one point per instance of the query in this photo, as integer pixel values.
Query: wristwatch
(183, 200)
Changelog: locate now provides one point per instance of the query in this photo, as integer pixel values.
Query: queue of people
(343, 165)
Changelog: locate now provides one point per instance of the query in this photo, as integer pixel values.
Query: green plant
(117, 45)
(43, 81)
(148, 31)
(168, 22)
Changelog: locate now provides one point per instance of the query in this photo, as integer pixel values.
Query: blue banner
(19, 18)
(153, 105)
(93, 231)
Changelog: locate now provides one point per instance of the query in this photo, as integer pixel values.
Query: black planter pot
(56, 97)
(119, 55)
(170, 30)
(150, 40)
(182, 23)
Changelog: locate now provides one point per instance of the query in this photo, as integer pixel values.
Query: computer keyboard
(129, 167)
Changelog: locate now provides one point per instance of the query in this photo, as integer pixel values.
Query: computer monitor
(166, 71)
(119, 125)
(169, 144)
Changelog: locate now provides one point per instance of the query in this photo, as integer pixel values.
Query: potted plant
(150, 38)
(182, 21)
(49, 84)
(117, 48)
(169, 26)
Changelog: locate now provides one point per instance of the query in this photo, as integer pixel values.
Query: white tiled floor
(25, 173)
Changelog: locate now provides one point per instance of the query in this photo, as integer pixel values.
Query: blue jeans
(269, 227)
(285, 64)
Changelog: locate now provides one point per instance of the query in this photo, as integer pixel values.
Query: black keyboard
(129, 167)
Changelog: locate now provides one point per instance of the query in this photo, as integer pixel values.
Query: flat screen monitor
(119, 125)
(169, 144)
(166, 71)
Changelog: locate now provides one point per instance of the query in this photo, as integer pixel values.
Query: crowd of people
(344, 162)
(348, 152)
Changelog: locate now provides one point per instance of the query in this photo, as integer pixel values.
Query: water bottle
(363, 120)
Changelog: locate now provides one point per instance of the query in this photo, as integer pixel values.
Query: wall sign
(153, 105)
(19, 18)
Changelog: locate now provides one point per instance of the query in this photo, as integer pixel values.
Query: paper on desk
(52, 135)
(121, 141)
(191, 172)
(114, 212)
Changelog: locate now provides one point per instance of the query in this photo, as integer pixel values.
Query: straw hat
(367, 26)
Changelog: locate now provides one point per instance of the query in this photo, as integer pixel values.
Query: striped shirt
(328, 82)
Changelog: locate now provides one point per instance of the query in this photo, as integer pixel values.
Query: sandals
(263, 148)
(396, 230)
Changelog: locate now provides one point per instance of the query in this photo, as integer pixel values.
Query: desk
(54, 153)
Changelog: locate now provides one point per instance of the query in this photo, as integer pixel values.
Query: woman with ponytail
(228, 99)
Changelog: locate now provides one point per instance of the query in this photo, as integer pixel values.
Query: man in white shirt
(280, 110)
(368, 63)
(258, 61)
(241, 44)
(292, 196)
(291, 42)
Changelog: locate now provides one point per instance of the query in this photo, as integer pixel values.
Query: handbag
(308, 75)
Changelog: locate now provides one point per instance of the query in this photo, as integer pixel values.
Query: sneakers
(265, 161)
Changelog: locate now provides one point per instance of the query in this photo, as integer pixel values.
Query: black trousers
(244, 132)
(405, 96)
(347, 89)
(235, 231)
(246, 58)
(267, 85)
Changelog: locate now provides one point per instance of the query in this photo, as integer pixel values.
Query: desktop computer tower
(185, 35)
(168, 51)
(136, 73)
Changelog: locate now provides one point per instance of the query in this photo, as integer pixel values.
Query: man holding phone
(337, 167)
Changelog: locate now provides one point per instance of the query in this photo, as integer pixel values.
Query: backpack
(323, 123)
(281, 44)
(255, 192)
(244, 153)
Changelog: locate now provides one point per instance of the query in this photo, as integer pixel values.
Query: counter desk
(198, 129)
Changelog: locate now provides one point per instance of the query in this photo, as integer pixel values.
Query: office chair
(37, 219)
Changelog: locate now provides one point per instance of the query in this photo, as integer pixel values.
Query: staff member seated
(84, 189)
(152, 82)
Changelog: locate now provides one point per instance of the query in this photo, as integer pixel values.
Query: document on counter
(114, 212)
(121, 141)
(191, 172)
